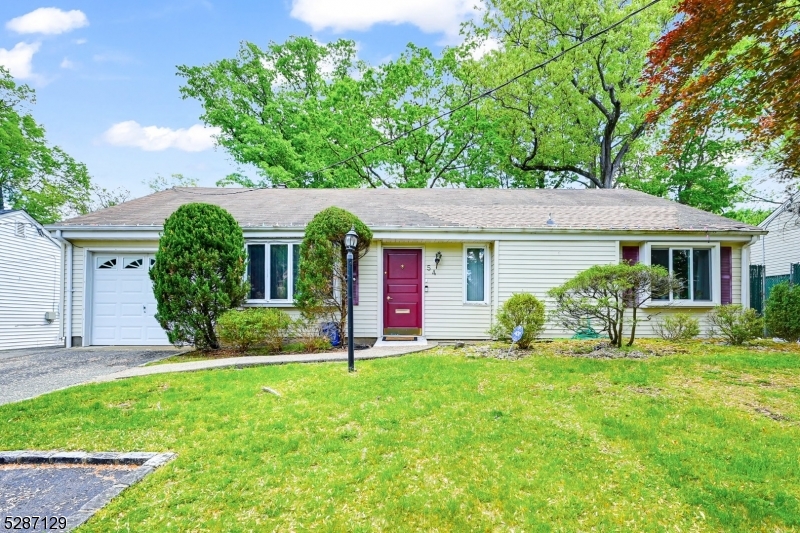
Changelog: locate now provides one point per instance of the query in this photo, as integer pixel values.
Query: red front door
(402, 292)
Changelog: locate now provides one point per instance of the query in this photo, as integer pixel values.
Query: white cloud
(81, 41)
(154, 138)
(443, 16)
(48, 20)
(18, 59)
(488, 45)
(66, 63)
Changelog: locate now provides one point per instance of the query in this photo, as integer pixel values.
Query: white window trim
(285, 302)
(716, 290)
(487, 273)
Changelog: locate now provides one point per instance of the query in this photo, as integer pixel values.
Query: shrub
(522, 309)
(307, 333)
(735, 324)
(602, 294)
(782, 312)
(198, 273)
(322, 279)
(255, 326)
(678, 327)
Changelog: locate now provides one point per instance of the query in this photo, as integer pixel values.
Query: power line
(494, 89)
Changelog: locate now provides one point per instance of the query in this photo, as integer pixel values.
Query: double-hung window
(475, 279)
(691, 266)
(272, 271)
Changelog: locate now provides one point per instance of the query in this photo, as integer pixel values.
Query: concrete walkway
(261, 360)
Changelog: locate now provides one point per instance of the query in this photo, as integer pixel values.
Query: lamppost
(350, 243)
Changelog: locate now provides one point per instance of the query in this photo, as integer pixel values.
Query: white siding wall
(78, 254)
(445, 314)
(537, 266)
(29, 286)
(781, 245)
(365, 314)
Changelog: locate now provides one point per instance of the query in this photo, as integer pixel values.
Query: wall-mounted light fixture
(436, 260)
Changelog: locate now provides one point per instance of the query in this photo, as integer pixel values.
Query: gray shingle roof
(590, 209)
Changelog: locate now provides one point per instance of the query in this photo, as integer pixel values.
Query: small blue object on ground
(516, 335)
(331, 330)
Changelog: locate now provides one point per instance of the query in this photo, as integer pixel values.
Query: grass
(706, 440)
(197, 355)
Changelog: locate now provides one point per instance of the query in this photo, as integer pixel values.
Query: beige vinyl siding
(537, 266)
(445, 314)
(781, 245)
(29, 286)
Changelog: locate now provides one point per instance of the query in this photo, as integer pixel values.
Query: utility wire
(493, 89)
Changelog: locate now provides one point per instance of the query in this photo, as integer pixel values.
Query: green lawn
(438, 441)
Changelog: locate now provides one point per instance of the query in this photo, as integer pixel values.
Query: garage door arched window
(130, 262)
(104, 263)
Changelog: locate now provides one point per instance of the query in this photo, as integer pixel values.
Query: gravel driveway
(31, 372)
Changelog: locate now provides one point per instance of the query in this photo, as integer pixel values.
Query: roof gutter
(66, 296)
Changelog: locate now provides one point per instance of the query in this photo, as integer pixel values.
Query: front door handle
(388, 297)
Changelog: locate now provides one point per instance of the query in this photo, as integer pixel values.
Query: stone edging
(147, 461)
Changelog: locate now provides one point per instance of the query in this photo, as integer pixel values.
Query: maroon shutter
(726, 274)
(630, 254)
(355, 281)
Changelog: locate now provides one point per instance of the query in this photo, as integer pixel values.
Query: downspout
(764, 282)
(745, 277)
(67, 297)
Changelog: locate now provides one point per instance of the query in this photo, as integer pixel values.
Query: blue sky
(104, 72)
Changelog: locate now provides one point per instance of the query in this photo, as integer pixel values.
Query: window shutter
(630, 254)
(355, 281)
(726, 274)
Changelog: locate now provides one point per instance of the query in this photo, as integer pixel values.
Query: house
(30, 283)
(776, 256)
(441, 264)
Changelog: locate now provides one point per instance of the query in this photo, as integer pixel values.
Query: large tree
(307, 115)
(752, 43)
(35, 176)
(579, 117)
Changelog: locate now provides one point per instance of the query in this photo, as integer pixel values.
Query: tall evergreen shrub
(198, 273)
(783, 311)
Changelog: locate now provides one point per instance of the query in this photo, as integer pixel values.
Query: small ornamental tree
(198, 273)
(322, 280)
(603, 293)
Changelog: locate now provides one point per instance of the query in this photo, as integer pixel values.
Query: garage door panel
(121, 298)
(128, 333)
(105, 310)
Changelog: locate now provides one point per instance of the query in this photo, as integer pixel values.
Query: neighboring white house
(441, 263)
(30, 284)
(778, 250)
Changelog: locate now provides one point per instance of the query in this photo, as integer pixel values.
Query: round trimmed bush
(782, 313)
(198, 273)
(522, 309)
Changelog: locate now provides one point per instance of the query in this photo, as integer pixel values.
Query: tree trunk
(620, 325)
(633, 328)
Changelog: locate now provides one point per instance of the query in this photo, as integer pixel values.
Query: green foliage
(199, 273)
(323, 265)
(34, 176)
(522, 309)
(162, 183)
(253, 327)
(754, 217)
(782, 314)
(602, 293)
(295, 108)
(678, 327)
(699, 176)
(579, 118)
(736, 324)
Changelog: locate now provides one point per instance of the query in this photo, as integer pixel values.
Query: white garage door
(123, 305)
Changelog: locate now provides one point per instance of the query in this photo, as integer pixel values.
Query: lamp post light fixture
(350, 243)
